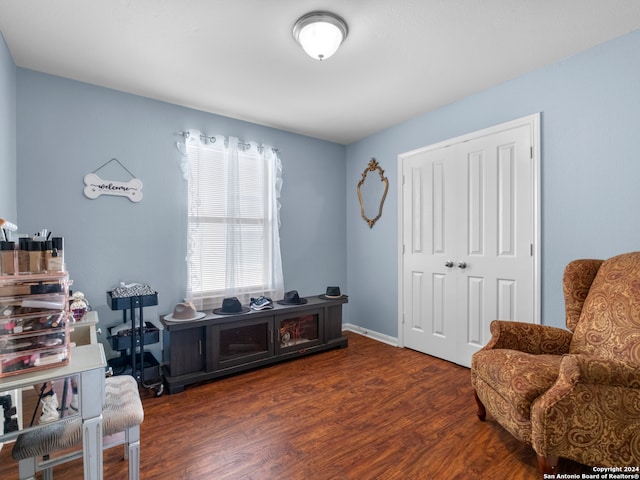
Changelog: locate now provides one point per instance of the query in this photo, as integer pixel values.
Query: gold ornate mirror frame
(372, 167)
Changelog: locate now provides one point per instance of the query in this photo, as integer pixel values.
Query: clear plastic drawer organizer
(34, 331)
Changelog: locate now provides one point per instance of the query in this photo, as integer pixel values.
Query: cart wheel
(159, 390)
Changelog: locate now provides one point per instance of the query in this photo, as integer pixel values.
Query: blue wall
(67, 129)
(590, 172)
(8, 194)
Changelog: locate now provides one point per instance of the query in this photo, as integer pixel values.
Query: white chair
(122, 412)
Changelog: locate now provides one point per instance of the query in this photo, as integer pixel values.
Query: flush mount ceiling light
(320, 33)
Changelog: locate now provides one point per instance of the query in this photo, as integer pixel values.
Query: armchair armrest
(529, 338)
(593, 403)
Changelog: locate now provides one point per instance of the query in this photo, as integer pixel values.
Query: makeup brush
(7, 225)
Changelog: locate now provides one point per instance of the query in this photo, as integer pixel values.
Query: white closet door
(467, 233)
(430, 231)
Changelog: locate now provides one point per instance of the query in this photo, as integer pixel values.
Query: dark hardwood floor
(370, 411)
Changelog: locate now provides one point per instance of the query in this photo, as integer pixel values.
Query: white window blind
(233, 238)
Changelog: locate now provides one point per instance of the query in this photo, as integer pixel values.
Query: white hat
(184, 312)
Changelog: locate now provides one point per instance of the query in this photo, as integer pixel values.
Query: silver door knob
(462, 265)
(448, 264)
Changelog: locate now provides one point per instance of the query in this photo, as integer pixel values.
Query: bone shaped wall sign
(95, 186)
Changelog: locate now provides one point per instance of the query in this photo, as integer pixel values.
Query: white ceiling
(238, 58)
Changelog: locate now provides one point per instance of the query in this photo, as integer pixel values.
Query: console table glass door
(243, 341)
(298, 331)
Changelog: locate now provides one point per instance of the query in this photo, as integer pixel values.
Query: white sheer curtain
(233, 220)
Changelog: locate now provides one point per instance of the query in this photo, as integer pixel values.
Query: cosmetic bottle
(56, 261)
(7, 258)
(35, 256)
(47, 254)
(23, 255)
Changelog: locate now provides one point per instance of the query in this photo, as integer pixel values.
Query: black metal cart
(142, 364)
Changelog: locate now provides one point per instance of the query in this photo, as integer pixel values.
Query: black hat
(292, 298)
(230, 306)
(332, 294)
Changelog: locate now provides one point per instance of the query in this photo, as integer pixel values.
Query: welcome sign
(96, 186)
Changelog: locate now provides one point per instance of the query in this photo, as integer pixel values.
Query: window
(233, 238)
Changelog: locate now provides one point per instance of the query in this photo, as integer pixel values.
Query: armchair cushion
(519, 378)
(607, 372)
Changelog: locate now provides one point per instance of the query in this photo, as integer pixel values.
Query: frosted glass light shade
(320, 34)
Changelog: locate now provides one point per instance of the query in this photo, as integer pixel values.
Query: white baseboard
(393, 341)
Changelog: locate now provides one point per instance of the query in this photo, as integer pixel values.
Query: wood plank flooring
(369, 411)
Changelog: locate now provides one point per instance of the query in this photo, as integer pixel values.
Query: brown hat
(184, 312)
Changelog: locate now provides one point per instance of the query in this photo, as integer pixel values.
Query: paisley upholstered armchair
(571, 393)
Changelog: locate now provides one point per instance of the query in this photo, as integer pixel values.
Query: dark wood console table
(219, 345)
